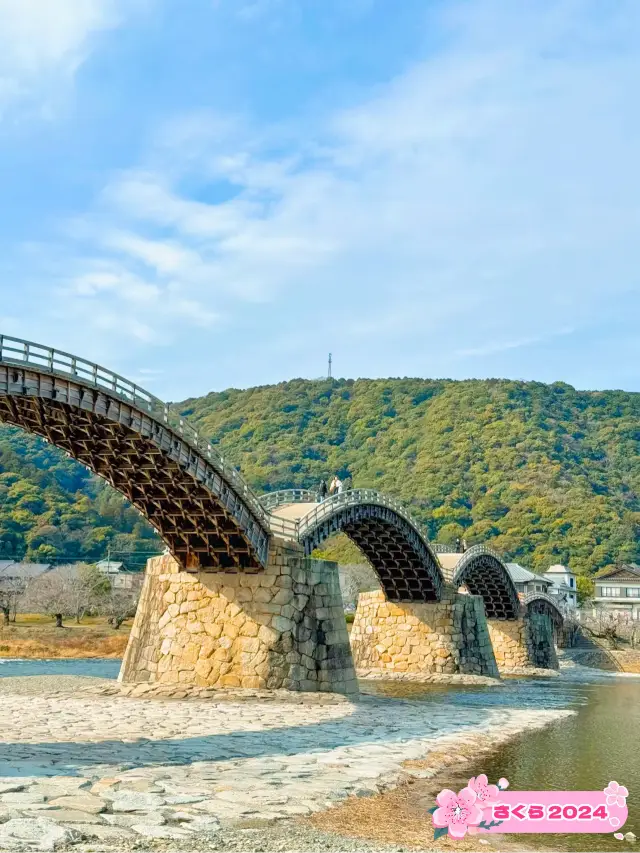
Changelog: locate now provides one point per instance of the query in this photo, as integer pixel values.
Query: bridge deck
(448, 563)
(293, 512)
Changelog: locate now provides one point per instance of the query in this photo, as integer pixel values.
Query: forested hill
(53, 509)
(543, 473)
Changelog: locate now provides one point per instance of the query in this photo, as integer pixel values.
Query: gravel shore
(86, 768)
(43, 685)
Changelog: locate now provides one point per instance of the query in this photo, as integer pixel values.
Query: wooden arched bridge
(201, 506)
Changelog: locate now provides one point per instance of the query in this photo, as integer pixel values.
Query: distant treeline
(543, 473)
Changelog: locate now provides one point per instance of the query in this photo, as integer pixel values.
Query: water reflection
(582, 752)
(521, 693)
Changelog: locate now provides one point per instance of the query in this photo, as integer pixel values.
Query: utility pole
(329, 374)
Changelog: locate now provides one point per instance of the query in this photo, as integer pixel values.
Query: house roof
(25, 571)
(627, 568)
(110, 566)
(521, 575)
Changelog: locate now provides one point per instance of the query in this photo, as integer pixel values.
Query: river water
(95, 667)
(586, 751)
(600, 743)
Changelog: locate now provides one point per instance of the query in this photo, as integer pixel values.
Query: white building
(119, 575)
(563, 586)
(618, 591)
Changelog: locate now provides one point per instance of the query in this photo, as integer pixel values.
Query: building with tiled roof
(618, 590)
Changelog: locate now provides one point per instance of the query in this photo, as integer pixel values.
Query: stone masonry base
(524, 642)
(449, 636)
(281, 628)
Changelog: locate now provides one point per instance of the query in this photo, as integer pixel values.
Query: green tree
(585, 588)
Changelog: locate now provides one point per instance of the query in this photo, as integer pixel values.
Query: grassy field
(35, 636)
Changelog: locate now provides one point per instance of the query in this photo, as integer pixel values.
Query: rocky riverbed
(84, 766)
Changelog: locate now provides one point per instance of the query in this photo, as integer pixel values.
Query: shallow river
(96, 667)
(583, 752)
(600, 743)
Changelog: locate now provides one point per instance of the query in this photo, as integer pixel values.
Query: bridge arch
(199, 504)
(391, 540)
(543, 604)
(483, 573)
(544, 622)
(540, 602)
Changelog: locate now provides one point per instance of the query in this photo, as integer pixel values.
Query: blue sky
(217, 193)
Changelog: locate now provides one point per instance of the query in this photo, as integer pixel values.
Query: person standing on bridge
(338, 486)
(322, 490)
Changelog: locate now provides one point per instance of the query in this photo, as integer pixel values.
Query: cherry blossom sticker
(485, 807)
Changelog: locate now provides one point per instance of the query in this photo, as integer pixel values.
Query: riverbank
(173, 772)
(399, 811)
(36, 637)
(581, 751)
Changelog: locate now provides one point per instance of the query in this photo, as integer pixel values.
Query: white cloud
(145, 197)
(500, 345)
(166, 258)
(43, 42)
(127, 287)
(480, 199)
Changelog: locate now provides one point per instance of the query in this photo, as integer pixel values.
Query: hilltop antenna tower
(329, 373)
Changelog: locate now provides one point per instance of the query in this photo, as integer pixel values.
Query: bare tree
(76, 590)
(120, 604)
(69, 591)
(87, 586)
(615, 627)
(49, 593)
(570, 631)
(11, 589)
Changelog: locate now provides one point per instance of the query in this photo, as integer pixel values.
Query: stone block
(244, 594)
(248, 644)
(203, 668)
(263, 594)
(231, 630)
(283, 596)
(281, 624)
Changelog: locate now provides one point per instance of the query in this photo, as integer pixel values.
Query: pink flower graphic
(503, 784)
(616, 794)
(619, 836)
(458, 811)
(487, 795)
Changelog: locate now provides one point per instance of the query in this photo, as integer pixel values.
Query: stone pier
(524, 642)
(280, 628)
(449, 636)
